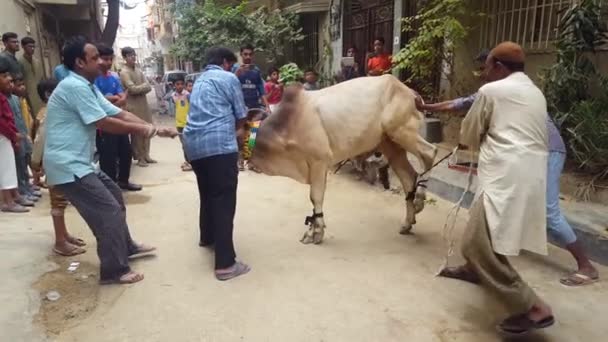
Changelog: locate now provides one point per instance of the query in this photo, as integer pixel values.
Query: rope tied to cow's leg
(450, 221)
(310, 220)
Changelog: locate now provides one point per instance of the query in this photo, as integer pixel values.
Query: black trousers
(100, 203)
(217, 178)
(115, 156)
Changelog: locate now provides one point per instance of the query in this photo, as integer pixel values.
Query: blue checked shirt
(216, 103)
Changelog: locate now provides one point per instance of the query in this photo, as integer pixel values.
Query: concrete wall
(19, 17)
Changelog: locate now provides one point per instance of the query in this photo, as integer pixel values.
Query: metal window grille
(531, 23)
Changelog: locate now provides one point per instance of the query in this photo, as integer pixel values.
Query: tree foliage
(577, 95)
(210, 24)
(438, 29)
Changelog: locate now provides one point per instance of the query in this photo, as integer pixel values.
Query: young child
(9, 142)
(274, 89)
(181, 102)
(23, 155)
(65, 244)
(168, 99)
(189, 86)
(310, 80)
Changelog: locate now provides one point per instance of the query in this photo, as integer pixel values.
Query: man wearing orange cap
(506, 124)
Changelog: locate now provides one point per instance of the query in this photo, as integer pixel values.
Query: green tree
(210, 24)
(577, 94)
(438, 30)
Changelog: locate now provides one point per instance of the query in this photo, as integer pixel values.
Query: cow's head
(275, 151)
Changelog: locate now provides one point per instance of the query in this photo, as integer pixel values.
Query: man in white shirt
(507, 126)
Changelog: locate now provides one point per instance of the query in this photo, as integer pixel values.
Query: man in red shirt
(378, 62)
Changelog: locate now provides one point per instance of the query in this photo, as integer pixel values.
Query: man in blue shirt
(252, 82)
(75, 109)
(60, 72)
(217, 116)
(113, 148)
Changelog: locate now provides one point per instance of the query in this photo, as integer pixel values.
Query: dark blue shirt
(109, 84)
(252, 84)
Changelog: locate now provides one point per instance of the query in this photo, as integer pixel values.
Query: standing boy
(9, 55)
(181, 102)
(273, 88)
(113, 148)
(65, 244)
(9, 142)
(379, 62)
(23, 154)
(310, 80)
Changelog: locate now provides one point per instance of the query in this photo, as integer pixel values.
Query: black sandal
(460, 273)
(521, 324)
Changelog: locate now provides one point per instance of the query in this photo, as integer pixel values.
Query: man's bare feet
(128, 278)
(65, 248)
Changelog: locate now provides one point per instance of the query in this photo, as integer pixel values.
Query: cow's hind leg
(397, 158)
(316, 223)
(409, 139)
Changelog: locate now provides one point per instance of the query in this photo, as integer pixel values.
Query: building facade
(50, 23)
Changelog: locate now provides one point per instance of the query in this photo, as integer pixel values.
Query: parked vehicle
(193, 77)
(169, 78)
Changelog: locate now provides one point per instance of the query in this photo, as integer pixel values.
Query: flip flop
(238, 270)
(76, 241)
(521, 324)
(74, 251)
(460, 273)
(142, 250)
(578, 279)
(125, 279)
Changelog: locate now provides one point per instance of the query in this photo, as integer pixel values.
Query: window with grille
(530, 23)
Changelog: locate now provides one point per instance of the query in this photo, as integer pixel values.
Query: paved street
(365, 283)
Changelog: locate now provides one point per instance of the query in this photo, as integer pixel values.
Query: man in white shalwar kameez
(507, 125)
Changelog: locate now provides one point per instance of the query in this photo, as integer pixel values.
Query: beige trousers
(141, 147)
(495, 270)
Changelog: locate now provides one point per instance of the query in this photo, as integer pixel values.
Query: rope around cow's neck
(450, 221)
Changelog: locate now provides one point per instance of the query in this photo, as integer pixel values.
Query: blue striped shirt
(216, 103)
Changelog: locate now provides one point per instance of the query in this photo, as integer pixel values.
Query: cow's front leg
(316, 223)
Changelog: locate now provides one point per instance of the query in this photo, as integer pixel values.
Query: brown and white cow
(312, 131)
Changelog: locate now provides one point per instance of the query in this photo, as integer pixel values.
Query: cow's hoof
(318, 236)
(406, 229)
(313, 236)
